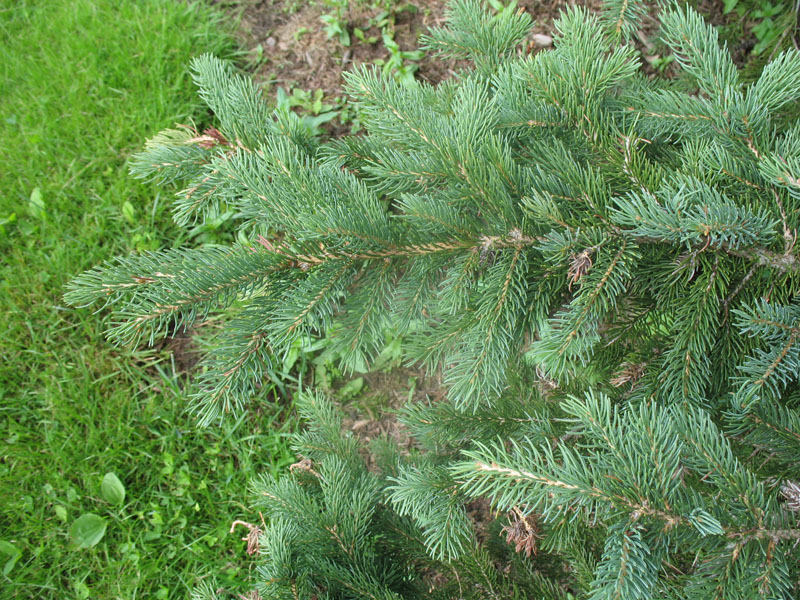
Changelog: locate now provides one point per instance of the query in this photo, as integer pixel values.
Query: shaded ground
(298, 53)
(373, 413)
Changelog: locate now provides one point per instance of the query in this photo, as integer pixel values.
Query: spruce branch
(473, 32)
(236, 101)
(767, 372)
(173, 288)
(628, 568)
(623, 17)
(431, 498)
(234, 371)
(476, 370)
(633, 241)
(696, 48)
(172, 155)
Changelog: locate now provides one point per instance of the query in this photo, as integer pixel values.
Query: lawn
(82, 83)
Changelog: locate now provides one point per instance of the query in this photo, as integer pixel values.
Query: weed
(772, 20)
(399, 62)
(299, 33)
(336, 25)
(312, 110)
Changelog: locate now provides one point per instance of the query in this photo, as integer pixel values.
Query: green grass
(82, 83)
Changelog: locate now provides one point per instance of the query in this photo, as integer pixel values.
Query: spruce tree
(601, 264)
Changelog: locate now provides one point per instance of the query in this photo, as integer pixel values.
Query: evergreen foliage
(603, 267)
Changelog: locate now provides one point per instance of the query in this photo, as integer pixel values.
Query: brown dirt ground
(312, 61)
(296, 52)
(374, 412)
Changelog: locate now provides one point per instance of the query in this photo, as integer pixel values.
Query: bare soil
(298, 53)
(373, 413)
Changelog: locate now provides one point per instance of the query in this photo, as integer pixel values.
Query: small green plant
(290, 7)
(773, 19)
(350, 114)
(12, 554)
(299, 33)
(313, 111)
(87, 530)
(336, 25)
(256, 57)
(400, 62)
(502, 9)
(362, 37)
(768, 30)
